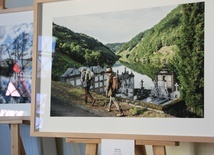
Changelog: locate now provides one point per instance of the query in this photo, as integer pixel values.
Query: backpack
(115, 81)
(87, 78)
(89, 75)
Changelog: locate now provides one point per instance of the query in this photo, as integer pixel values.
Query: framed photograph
(16, 46)
(130, 69)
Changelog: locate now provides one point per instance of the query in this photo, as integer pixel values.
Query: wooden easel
(16, 143)
(159, 147)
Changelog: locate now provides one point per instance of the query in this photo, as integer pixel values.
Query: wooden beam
(140, 150)
(157, 143)
(10, 121)
(83, 140)
(16, 144)
(159, 150)
(91, 149)
(2, 4)
(13, 119)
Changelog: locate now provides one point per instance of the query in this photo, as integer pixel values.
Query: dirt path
(67, 100)
(59, 108)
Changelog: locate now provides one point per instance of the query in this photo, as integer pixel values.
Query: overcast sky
(115, 26)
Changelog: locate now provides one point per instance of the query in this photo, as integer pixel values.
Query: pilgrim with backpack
(112, 86)
(86, 78)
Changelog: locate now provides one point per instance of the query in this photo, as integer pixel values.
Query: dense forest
(190, 57)
(147, 50)
(177, 40)
(114, 47)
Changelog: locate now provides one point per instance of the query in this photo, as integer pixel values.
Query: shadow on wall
(64, 148)
(38, 145)
(32, 145)
(5, 139)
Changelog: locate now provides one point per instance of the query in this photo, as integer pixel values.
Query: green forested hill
(114, 46)
(76, 49)
(178, 39)
(154, 45)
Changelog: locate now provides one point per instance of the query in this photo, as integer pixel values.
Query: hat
(83, 69)
(108, 70)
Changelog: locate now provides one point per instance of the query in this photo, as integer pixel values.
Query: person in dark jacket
(111, 93)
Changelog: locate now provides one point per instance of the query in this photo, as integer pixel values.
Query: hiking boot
(120, 114)
(108, 109)
(93, 102)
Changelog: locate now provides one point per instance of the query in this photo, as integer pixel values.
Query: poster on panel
(124, 67)
(16, 42)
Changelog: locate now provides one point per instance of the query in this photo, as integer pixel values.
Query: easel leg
(140, 150)
(91, 149)
(2, 4)
(15, 139)
(159, 150)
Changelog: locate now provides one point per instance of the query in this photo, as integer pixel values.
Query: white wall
(186, 148)
(204, 149)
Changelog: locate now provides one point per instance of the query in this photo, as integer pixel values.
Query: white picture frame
(173, 129)
(13, 19)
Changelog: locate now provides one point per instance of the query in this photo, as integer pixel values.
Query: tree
(190, 57)
(20, 46)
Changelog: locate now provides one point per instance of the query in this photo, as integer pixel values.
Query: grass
(75, 95)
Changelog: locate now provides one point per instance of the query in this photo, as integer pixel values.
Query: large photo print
(16, 41)
(134, 68)
(156, 57)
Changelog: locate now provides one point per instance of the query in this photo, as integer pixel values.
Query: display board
(16, 62)
(73, 34)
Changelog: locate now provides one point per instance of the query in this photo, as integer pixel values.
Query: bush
(137, 111)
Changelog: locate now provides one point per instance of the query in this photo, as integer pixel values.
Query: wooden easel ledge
(159, 147)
